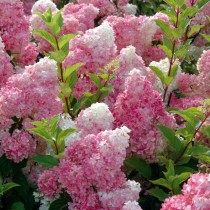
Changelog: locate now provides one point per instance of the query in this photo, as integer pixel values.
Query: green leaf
(42, 132)
(96, 80)
(167, 42)
(174, 70)
(171, 138)
(199, 149)
(178, 179)
(8, 186)
(65, 39)
(48, 15)
(194, 29)
(70, 69)
(206, 131)
(202, 3)
(72, 80)
(167, 51)
(206, 37)
(162, 182)
(54, 28)
(140, 165)
(60, 203)
(58, 55)
(170, 170)
(46, 160)
(17, 206)
(158, 72)
(183, 169)
(47, 36)
(158, 193)
(189, 115)
(165, 28)
(168, 80)
(58, 19)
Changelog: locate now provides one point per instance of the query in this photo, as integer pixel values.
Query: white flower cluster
(97, 37)
(95, 119)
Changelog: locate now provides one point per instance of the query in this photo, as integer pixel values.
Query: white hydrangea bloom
(99, 36)
(43, 5)
(94, 119)
(65, 123)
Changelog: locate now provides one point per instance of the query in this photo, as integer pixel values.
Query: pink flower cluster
(78, 17)
(33, 93)
(136, 31)
(195, 195)
(107, 7)
(18, 146)
(91, 171)
(140, 111)
(95, 49)
(14, 30)
(128, 60)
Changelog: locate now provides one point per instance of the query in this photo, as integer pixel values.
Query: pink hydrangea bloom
(6, 68)
(195, 195)
(132, 30)
(32, 93)
(18, 146)
(78, 17)
(128, 60)
(95, 49)
(96, 167)
(140, 111)
(14, 29)
(105, 7)
(94, 119)
(48, 183)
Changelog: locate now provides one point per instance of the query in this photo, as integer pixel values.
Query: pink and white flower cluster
(195, 195)
(88, 175)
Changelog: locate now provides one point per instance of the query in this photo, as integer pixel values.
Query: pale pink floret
(140, 111)
(195, 195)
(18, 146)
